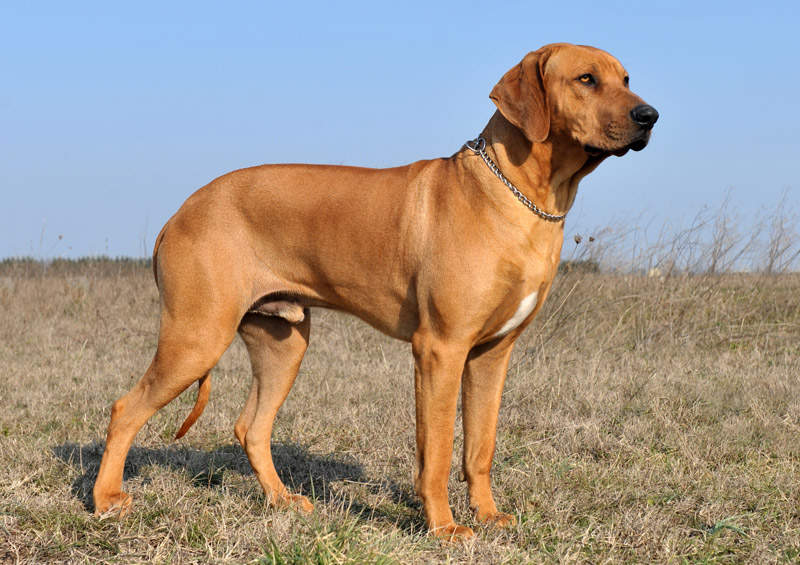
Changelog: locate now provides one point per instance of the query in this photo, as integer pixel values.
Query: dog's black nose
(644, 115)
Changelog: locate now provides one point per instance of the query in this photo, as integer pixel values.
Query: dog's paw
(115, 505)
(497, 519)
(291, 501)
(452, 532)
(300, 503)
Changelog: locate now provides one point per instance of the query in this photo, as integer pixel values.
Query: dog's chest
(524, 310)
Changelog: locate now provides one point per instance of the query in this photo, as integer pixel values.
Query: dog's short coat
(439, 253)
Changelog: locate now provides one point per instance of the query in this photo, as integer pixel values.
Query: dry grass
(643, 420)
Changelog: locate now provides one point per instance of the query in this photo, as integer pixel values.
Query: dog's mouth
(639, 144)
(593, 151)
(596, 152)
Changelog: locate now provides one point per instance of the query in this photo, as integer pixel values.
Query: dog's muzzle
(644, 116)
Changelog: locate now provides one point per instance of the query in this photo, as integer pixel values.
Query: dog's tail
(203, 392)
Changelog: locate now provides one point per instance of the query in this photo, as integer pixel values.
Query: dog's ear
(521, 98)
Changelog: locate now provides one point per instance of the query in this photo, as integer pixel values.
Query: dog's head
(578, 93)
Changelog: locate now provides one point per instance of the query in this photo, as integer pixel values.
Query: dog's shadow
(299, 469)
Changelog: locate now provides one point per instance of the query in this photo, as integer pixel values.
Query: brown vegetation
(644, 419)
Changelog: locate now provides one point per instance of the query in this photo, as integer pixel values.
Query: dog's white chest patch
(524, 310)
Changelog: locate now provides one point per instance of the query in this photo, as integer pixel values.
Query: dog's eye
(587, 79)
(626, 80)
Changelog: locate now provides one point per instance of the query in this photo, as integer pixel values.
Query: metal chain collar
(478, 146)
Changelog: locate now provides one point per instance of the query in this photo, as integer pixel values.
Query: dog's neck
(547, 172)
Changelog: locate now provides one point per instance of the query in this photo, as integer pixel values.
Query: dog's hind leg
(246, 417)
(181, 359)
(276, 349)
(201, 306)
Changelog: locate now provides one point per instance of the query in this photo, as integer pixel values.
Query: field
(644, 419)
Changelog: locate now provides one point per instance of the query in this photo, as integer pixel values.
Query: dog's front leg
(437, 378)
(482, 389)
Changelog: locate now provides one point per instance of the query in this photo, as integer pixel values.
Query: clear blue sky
(112, 114)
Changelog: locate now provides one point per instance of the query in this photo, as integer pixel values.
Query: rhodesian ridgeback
(455, 255)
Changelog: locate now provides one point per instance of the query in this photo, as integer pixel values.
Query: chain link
(478, 146)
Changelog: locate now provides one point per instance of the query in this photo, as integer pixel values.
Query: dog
(455, 255)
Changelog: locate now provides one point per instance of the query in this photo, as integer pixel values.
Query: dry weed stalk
(715, 241)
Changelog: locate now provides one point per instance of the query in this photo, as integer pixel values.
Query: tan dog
(440, 253)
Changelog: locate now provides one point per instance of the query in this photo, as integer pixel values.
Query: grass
(645, 419)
